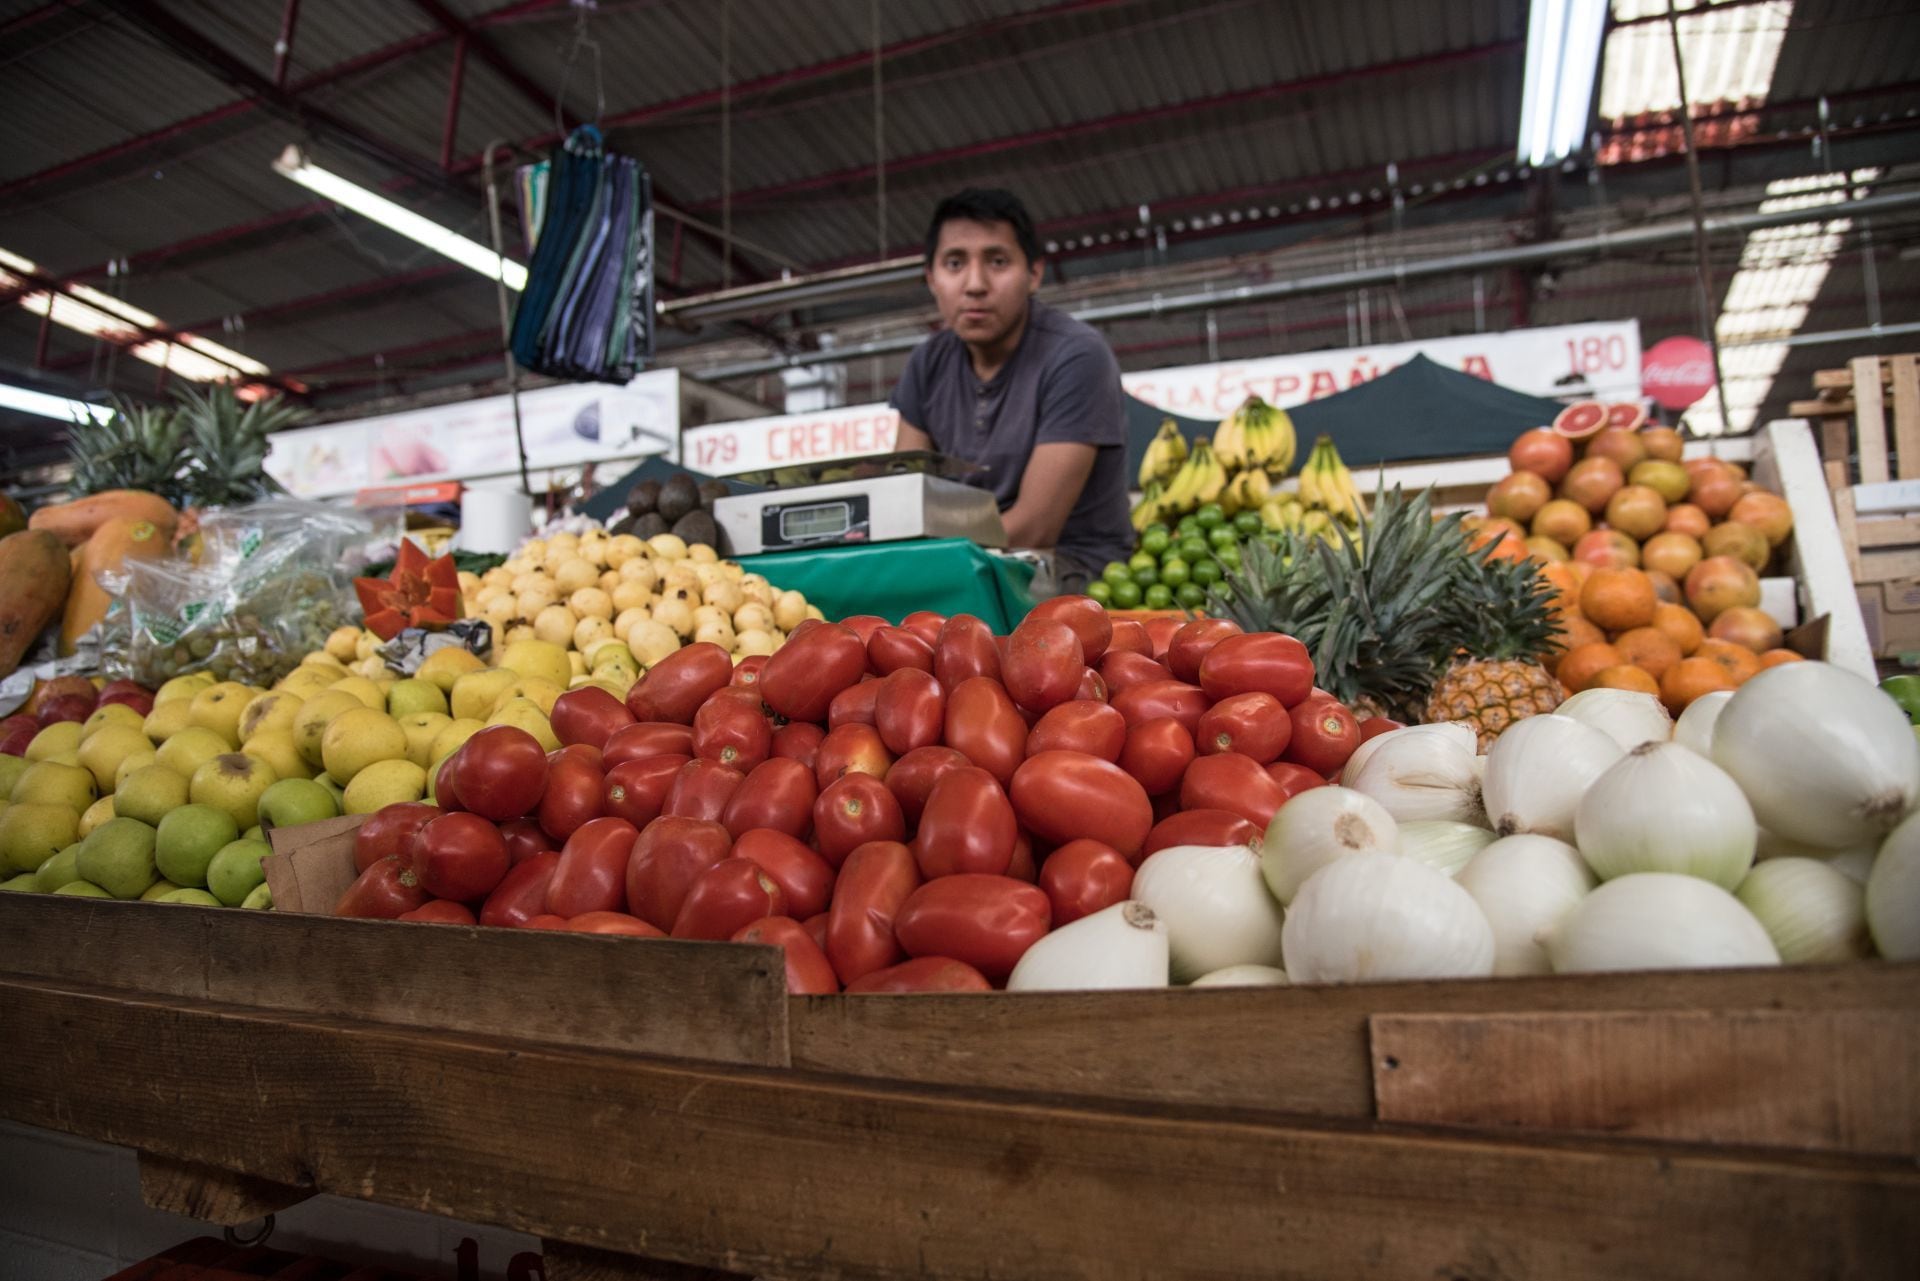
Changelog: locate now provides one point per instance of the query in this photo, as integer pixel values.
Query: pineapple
(1404, 619)
(229, 445)
(140, 447)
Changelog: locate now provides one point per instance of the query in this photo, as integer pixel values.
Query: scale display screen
(831, 520)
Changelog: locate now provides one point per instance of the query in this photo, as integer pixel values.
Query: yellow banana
(1230, 439)
(1282, 444)
(1164, 454)
(1147, 510)
(1179, 497)
(1213, 475)
(1310, 480)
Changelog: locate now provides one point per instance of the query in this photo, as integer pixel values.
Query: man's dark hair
(985, 204)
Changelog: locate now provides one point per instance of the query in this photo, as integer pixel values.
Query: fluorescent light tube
(1563, 59)
(294, 164)
(28, 401)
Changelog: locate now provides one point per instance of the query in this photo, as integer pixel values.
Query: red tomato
(460, 856)
(440, 911)
(445, 790)
(851, 749)
(648, 738)
(547, 921)
(1154, 699)
(911, 778)
(1080, 726)
(578, 752)
(637, 790)
(389, 889)
(805, 877)
(809, 973)
(588, 715)
(817, 662)
(1200, 827)
(1129, 637)
(1262, 662)
(984, 726)
(575, 793)
(1191, 643)
(922, 974)
(1157, 753)
(853, 810)
(701, 789)
(1160, 634)
(986, 921)
(389, 831)
(1234, 783)
(1122, 670)
(1324, 735)
(854, 705)
(864, 625)
(1061, 796)
(674, 687)
(526, 838)
(728, 897)
(799, 741)
(926, 625)
(1092, 687)
(746, 672)
(1251, 724)
(667, 858)
(1044, 662)
(964, 650)
(779, 794)
(1294, 779)
(732, 733)
(502, 773)
(522, 893)
(612, 923)
(1375, 726)
(911, 712)
(1088, 618)
(890, 649)
(592, 873)
(874, 881)
(1084, 877)
(968, 826)
(816, 927)
(1022, 867)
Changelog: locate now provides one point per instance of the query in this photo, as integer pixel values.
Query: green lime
(1116, 572)
(1174, 571)
(1229, 556)
(1147, 575)
(1190, 595)
(1210, 515)
(1187, 525)
(1159, 596)
(1205, 572)
(1157, 527)
(1126, 595)
(1195, 548)
(1142, 560)
(1155, 540)
(1101, 590)
(1248, 522)
(1223, 535)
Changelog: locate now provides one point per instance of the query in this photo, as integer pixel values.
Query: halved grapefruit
(1626, 415)
(1581, 419)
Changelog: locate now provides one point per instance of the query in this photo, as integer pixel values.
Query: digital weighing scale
(883, 498)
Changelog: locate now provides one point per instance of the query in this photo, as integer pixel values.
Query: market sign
(1599, 361)
(1677, 372)
(564, 426)
(783, 441)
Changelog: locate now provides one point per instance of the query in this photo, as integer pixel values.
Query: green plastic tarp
(946, 575)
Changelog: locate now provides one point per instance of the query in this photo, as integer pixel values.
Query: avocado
(624, 525)
(712, 490)
(677, 497)
(649, 525)
(643, 496)
(697, 527)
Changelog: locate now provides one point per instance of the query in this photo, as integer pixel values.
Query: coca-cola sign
(1676, 372)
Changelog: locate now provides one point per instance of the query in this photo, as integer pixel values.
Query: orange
(1579, 666)
(1740, 663)
(1576, 631)
(1649, 649)
(1682, 624)
(1688, 679)
(1626, 676)
(1564, 575)
(1775, 657)
(1665, 587)
(1618, 599)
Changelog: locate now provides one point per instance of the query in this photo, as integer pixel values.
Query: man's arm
(911, 438)
(1051, 485)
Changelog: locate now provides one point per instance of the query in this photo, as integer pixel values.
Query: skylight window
(1730, 51)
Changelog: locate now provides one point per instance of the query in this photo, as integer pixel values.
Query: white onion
(1824, 756)
(1525, 885)
(1378, 917)
(1216, 906)
(1694, 729)
(1243, 976)
(1445, 731)
(1443, 846)
(1666, 809)
(1810, 911)
(1893, 894)
(1318, 826)
(1855, 865)
(1626, 716)
(1418, 776)
(1769, 845)
(1658, 921)
(1537, 772)
(1122, 946)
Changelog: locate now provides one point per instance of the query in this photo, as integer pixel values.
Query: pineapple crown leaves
(229, 444)
(138, 447)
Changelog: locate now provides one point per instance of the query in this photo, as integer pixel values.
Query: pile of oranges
(1622, 628)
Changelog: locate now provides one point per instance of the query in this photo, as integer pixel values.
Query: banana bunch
(1326, 483)
(1151, 507)
(1165, 453)
(1246, 491)
(1201, 479)
(1256, 435)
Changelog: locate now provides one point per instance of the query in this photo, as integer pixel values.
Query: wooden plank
(714, 1001)
(752, 1170)
(204, 1192)
(561, 1261)
(1819, 408)
(1833, 380)
(1888, 566)
(1869, 419)
(1906, 414)
(1836, 451)
(1834, 1080)
(1888, 531)
(1847, 521)
(1819, 553)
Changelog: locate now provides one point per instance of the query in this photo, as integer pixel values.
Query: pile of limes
(1173, 567)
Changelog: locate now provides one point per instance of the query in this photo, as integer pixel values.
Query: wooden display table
(656, 1109)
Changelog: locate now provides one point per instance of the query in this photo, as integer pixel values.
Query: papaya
(75, 522)
(13, 518)
(34, 577)
(112, 544)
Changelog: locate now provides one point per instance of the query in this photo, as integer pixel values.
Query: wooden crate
(1868, 416)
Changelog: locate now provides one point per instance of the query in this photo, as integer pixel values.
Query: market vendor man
(1026, 391)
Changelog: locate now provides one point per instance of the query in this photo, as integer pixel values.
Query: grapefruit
(1543, 452)
(1581, 419)
(1626, 415)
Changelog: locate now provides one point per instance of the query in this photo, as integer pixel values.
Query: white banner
(564, 426)
(1600, 361)
(755, 444)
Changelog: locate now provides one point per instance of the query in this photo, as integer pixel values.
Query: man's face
(980, 280)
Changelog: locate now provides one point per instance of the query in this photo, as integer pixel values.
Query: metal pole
(1709, 308)
(506, 315)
